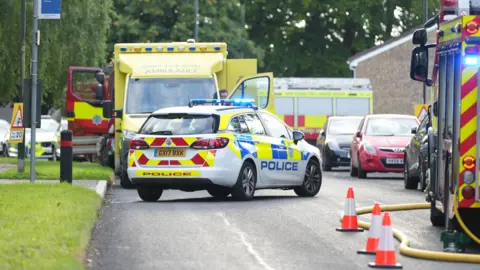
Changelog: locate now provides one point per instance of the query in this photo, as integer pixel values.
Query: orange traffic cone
(385, 255)
(349, 221)
(374, 231)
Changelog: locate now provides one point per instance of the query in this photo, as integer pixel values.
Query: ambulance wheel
(244, 189)
(312, 180)
(218, 192)
(149, 193)
(124, 180)
(361, 173)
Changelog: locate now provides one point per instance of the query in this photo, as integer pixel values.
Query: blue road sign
(49, 9)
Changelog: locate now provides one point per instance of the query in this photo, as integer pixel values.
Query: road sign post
(23, 30)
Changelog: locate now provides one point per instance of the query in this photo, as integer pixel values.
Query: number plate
(394, 161)
(171, 152)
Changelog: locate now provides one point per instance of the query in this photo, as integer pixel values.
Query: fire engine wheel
(408, 181)
(437, 218)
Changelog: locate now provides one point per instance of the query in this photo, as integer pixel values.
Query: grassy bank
(46, 170)
(45, 226)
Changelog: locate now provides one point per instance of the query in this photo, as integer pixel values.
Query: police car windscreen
(179, 124)
(146, 95)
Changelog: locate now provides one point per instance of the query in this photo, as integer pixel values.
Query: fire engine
(454, 127)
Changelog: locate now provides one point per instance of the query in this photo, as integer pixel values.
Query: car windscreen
(180, 124)
(343, 126)
(390, 126)
(147, 95)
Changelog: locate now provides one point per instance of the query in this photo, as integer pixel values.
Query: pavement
(277, 230)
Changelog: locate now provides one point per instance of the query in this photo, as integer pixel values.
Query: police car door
(285, 167)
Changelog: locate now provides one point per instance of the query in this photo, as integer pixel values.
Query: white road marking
(245, 242)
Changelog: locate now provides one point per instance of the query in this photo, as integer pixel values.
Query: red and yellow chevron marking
(176, 141)
(131, 158)
(204, 158)
(468, 117)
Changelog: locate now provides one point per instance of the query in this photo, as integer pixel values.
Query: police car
(222, 146)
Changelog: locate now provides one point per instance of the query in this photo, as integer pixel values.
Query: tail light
(213, 143)
(138, 144)
(468, 162)
(468, 192)
(472, 27)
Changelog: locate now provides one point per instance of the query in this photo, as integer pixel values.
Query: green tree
(78, 38)
(172, 20)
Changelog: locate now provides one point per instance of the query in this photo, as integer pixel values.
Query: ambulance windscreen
(146, 95)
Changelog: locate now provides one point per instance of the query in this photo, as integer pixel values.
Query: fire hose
(405, 248)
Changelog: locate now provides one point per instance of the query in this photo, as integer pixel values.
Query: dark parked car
(416, 157)
(335, 139)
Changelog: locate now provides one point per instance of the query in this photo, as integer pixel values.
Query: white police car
(232, 149)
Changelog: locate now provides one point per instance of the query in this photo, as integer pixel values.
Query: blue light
(217, 48)
(471, 60)
(232, 102)
(123, 49)
(192, 48)
(170, 48)
(148, 49)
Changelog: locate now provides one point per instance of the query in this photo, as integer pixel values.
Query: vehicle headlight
(333, 145)
(368, 148)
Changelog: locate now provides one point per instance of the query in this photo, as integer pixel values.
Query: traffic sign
(49, 9)
(16, 125)
(420, 111)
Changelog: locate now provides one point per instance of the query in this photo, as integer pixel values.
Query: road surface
(277, 230)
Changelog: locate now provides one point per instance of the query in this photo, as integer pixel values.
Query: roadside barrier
(374, 232)
(349, 221)
(385, 255)
(66, 156)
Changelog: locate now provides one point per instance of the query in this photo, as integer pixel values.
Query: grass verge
(45, 226)
(46, 170)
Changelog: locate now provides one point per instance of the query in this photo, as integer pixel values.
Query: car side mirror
(419, 64)
(297, 136)
(414, 130)
(107, 109)
(99, 92)
(358, 134)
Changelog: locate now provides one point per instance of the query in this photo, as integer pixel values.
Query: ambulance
(153, 76)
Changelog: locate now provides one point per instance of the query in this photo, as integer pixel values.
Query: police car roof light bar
(225, 102)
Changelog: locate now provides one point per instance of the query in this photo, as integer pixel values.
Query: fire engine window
(84, 84)
(315, 106)
(353, 106)
(284, 105)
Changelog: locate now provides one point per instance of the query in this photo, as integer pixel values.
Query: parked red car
(379, 143)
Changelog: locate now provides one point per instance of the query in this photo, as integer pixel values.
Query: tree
(78, 38)
(171, 20)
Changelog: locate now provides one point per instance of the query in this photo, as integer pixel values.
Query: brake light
(138, 144)
(213, 143)
(472, 27)
(468, 162)
(468, 192)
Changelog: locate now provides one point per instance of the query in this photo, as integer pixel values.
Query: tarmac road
(277, 230)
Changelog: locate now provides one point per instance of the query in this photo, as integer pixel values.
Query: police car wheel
(218, 192)
(149, 193)
(312, 180)
(244, 189)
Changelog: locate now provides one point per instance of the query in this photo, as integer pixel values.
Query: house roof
(387, 45)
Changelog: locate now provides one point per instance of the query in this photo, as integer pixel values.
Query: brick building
(388, 68)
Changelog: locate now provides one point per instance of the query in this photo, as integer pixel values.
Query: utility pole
(425, 16)
(35, 43)
(23, 29)
(195, 31)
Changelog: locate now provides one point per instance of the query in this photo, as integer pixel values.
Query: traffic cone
(349, 221)
(385, 255)
(374, 231)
